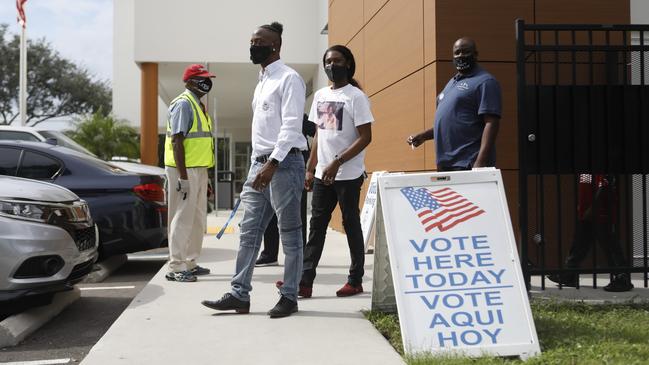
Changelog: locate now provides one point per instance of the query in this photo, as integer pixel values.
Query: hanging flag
(20, 5)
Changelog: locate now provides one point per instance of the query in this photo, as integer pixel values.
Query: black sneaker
(181, 276)
(284, 308)
(199, 270)
(620, 283)
(265, 261)
(565, 280)
(228, 302)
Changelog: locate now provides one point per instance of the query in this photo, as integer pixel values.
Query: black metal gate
(583, 113)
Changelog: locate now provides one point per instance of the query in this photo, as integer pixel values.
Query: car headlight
(36, 212)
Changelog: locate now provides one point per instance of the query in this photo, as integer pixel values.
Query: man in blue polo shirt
(467, 116)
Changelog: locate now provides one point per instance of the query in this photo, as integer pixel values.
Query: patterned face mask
(464, 63)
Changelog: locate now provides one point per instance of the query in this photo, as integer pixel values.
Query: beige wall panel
(510, 181)
(393, 44)
(489, 22)
(431, 91)
(430, 33)
(398, 111)
(345, 20)
(583, 11)
(507, 142)
(357, 47)
(370, 7)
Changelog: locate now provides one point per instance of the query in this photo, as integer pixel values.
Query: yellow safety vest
(198, 143)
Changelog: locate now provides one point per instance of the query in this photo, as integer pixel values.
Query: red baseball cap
(196, 70)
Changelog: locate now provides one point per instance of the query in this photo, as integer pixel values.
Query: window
(65, 141)
(242, 151)
(37, 166)
(9, 158)
(223, 154)
(18, 136)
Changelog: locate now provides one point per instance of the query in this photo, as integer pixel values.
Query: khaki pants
(187, 218)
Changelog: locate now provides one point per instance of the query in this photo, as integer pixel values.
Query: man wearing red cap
(189, 153)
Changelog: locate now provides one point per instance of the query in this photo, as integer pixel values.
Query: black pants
(347, 194)
(271, 235)
(451, 168)
(586, 233)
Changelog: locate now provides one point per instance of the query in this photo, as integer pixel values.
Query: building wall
(216, 33)
(403, 50)
(639, 12)
(126, 72)
(170, 33)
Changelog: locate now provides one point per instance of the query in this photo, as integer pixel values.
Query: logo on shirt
(330, 115)
(265, 106)
(463, 85)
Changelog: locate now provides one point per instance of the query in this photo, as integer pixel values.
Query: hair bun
(277, 27)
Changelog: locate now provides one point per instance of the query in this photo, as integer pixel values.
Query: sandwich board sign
(457, 278)
(369, 207)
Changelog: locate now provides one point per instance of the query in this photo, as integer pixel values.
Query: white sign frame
(369, 207)
(524, 342)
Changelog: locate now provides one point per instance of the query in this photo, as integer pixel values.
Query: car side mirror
(52, 141)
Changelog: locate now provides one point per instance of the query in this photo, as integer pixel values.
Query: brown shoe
(349, 290)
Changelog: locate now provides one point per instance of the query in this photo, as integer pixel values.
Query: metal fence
(583, 108)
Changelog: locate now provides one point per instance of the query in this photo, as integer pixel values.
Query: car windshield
(65, 141)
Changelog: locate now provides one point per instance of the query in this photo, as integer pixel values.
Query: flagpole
(23, 77)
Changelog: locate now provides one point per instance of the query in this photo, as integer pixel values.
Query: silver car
(48, 241)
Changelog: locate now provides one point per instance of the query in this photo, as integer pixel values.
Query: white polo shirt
(337, 113)
(278, 107)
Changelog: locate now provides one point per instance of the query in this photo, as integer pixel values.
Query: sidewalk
(587, 294)
(166, 324)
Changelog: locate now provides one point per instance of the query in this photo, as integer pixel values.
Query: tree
(106, 136)
(56, 87)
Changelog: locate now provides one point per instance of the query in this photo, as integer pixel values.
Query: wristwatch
(274, 162)
(340, 159)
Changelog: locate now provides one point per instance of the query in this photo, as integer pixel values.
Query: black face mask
(204, 85)
(464, 63)
(336, 73)
(259, 54)
(201, 86)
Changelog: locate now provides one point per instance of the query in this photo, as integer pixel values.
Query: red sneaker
(303, 292)
(348, 290)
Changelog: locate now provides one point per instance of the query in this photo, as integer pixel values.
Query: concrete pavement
(587, 294)
(166, 324)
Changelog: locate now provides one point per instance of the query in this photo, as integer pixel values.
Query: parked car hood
(26, 189)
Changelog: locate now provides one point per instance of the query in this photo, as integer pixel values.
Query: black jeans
(271, 235)
(451, 168)
(586, 233)
(347, 194)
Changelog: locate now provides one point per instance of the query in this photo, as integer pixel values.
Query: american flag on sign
(442, 209)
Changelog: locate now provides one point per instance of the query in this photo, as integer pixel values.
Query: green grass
(569, 333)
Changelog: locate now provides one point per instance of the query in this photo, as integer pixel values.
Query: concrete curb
(16, 328)
(103, 269)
